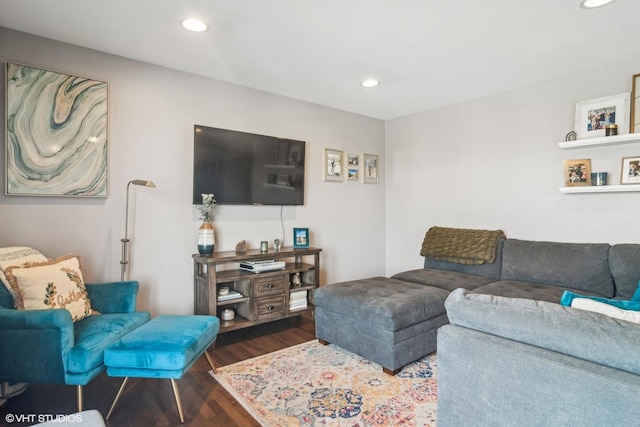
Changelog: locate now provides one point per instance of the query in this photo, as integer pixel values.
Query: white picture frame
(594, 115)
(333, 164)
(630, 171)
(370, 168)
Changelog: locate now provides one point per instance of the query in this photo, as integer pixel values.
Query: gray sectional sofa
(508, 352)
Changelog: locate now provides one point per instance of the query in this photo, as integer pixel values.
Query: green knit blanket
(462, 246)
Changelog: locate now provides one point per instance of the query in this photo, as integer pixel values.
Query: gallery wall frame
(57, 133)
(594, 115)
(371, 172)
(333, 163)
(353, 167)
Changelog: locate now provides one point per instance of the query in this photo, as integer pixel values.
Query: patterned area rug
(323, 385)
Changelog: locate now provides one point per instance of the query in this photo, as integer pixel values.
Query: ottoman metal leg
(176, 393)
(206, 355)
(113, 405)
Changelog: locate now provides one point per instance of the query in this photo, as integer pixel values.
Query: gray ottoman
(385, 320)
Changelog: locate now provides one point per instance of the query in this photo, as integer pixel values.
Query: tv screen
(242, 168)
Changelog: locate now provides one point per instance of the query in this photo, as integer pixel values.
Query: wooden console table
(266, 296)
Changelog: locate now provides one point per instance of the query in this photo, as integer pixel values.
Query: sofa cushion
(16, 256)
(624, 263)
(582, 334)
(382, 302)
(529, 290)
(95, 333)
(444, 279)
(55, 283)
(582, 266)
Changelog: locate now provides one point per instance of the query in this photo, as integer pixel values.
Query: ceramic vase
(206, 240)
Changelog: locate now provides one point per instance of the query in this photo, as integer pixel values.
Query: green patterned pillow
(55, 283)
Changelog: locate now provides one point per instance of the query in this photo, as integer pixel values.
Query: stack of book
(297, 300)
(231, 295)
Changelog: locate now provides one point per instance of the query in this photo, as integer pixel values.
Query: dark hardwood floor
(150, 402)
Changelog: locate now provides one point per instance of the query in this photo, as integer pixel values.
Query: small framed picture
(577, 172)
(593, 116)
(630, 173)
(370, 165)
(353, 174)
(300, 237)
(353, 159)
(332, 165)
(635, 104)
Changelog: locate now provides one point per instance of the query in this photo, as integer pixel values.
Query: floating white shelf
(605, 140)
(601, 189)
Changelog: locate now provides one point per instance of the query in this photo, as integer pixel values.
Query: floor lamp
(125, 242)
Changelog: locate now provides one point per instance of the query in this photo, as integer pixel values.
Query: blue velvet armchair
(46, 346)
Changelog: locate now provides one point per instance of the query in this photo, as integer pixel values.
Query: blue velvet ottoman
(165, 347)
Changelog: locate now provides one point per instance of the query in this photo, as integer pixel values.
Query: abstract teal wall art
(57, 128)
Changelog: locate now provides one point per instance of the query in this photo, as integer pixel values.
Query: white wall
(495, 163)
(152, 113)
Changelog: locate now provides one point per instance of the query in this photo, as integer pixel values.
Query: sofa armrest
(34, 344)
(113, 297)
(586, 335)
(35, 319)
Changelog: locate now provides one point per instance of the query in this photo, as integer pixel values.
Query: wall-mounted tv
(242, 168)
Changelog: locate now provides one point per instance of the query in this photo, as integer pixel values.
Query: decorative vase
(205, 238)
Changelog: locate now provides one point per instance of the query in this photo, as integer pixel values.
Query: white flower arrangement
(207, 204)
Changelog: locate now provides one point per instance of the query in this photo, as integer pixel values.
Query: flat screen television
(242, 168)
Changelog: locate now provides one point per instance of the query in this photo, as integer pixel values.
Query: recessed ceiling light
(370, 83)
(195, 25)
(592, 4)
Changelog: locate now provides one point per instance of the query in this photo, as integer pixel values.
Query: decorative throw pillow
(606, 309)
(15, 256)
(567, 299)
(55, 283)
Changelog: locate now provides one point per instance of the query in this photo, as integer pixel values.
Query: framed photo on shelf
(332, 165)
(370, 164)
(594, 115)
(577, 172)
(630, 172)
(300, 238)
(634, 126)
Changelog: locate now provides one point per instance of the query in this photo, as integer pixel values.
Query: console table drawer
(270, 286)
(270, 307)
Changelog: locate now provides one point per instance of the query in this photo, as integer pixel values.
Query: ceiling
(426, 53)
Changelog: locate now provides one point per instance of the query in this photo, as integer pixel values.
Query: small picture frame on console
(300, 238)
